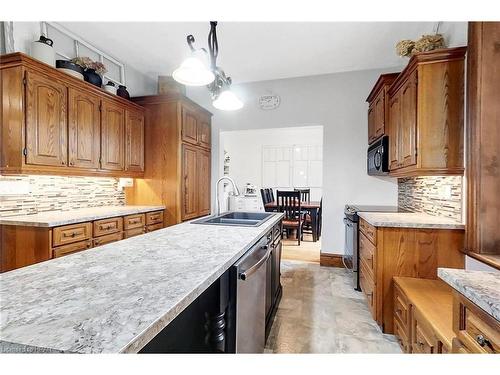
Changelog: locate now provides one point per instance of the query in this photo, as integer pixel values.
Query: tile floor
(321, 313)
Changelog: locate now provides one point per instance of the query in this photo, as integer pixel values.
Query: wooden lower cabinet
(423, 315)
(134, 232)
(22, 246)
(71, 248)
(103, 240)
(387, 252)
(476, 331)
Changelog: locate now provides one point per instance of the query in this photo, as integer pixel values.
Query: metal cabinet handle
(244, 275)
(482, 341)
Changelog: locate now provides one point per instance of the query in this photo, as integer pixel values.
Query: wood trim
(383, 80)
(331, 260)
(167, 98)
(444, 54)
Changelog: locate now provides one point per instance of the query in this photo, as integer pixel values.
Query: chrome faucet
(235, 190)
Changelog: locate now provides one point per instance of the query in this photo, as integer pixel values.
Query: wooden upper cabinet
(204, 132)
(426, 131)
(46, 120)
(53, 123)
(189, 128)
(84, 129)
(112, 136)
(408, 122)
(378, 107)
(134, 153)
(483, 139)
(394, 130)
(203, 166)
(189, 187)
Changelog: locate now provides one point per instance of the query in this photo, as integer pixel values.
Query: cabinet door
(371, 123)
(203, 182)
(46, 121)
(394, 130)
(408, 138)
(134, 155)
(84, 129)
(189, 204)
(379, 126)
(112, 137)
(204, 131)
(189, 126)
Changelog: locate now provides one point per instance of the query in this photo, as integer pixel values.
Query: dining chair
(305, 195)
(308, 221)
(289, 203)
(271, 194)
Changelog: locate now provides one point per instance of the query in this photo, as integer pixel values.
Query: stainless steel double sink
(239, 219)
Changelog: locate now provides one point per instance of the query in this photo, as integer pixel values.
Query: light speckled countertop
(117, 297)
(409, 220)
(56, 218)
(482, 288)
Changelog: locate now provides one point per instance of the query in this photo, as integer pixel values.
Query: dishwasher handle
(251, 270)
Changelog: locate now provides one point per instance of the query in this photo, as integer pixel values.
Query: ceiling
(255, 51)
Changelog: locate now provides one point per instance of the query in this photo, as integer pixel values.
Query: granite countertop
(482, 288)
(409, 220)
(117, 297)
(79, 215)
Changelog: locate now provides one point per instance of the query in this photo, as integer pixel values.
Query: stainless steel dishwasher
(251, 282)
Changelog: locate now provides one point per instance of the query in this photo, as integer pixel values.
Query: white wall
(137, 82)
(336, 101)
(245, 150)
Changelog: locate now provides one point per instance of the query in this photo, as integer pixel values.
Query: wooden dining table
(313, 209)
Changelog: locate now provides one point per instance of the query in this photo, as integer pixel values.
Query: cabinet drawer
(368, 230)
(402, 335)
(368, 288)
(423, 339)
(401, 308)
(367, 253)
(134, 232)
(71, 248)
(134, 221)
(480, 333)
(153, 227)
(108, 226)
(103, 240)
(154, 217)
(71, 233)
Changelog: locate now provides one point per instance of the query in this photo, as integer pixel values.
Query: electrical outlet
(447, 191)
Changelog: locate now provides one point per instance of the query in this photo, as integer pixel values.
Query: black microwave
(378, 157)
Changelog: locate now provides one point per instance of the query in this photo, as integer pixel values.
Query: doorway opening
(280, 159)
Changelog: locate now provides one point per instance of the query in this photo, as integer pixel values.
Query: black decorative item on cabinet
(122, 92)
(92, 77)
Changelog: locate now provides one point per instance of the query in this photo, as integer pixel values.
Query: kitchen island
(119, 297)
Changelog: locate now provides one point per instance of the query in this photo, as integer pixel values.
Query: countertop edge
(367, 216)
(468, 292)
(10, 221)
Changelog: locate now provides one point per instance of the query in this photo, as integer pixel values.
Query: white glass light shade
(193, 72)
(227, 101)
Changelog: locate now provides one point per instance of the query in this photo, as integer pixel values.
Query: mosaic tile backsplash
(49, 193)
(429, 195)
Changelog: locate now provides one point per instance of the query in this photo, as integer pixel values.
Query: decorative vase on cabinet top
(122, 92)
(42, 50)
(92, 77)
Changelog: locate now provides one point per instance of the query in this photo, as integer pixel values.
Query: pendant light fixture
(201, 69)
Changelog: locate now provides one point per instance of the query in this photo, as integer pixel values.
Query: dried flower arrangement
(425, 43)
(87, 63)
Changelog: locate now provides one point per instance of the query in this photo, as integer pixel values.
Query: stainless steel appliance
(378, 157)
(251, 291)
(351, 250)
